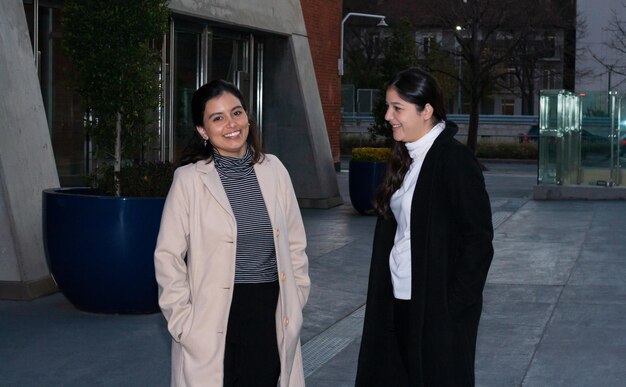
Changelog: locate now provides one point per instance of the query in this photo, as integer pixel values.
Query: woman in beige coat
(230, 257)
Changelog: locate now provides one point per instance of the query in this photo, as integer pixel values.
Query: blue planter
(364, 179)
(100, 249)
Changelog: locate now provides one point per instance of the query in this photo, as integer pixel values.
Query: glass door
(64, 113)
(187, 45)
(197, 54)
(237, 57)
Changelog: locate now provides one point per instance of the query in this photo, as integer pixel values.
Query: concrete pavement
(554, 313)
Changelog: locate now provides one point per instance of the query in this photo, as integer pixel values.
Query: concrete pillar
(323, 190)
(294, 128)
(26, 162)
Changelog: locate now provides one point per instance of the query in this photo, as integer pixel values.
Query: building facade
(546, 60)
(263, 47)
(275, 51)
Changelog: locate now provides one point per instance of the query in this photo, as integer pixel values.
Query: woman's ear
(427, 113)
(202, 132)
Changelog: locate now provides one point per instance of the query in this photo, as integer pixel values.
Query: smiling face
(225, 125)
(407, 123)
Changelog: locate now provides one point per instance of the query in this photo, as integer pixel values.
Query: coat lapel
(211, 179)
(421, 211)
(268, 184)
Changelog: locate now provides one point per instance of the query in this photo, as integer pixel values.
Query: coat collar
(211, 180)
(267, 182)
(448, 133)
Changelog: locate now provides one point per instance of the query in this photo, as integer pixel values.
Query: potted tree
(100, 240)
(366, 172)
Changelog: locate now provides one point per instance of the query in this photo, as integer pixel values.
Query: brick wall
(323, 24)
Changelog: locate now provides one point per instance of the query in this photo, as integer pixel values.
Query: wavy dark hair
(196, 150)
(419, 88)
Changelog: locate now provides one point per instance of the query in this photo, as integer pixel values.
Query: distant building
(554, 44)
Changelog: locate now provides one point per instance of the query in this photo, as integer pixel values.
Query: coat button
(277, 232)
(283, 276)
(285, 321)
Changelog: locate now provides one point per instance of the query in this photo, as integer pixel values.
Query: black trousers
(251, 357)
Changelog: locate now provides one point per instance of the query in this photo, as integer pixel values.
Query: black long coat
(451, 251)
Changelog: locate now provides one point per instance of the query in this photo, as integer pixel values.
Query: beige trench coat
(195, 297)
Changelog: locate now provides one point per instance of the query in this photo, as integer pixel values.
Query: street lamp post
(458, 51)
(381, 23)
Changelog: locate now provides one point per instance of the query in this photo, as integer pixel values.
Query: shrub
(113, 49)
(136, 180)
(349, 141)
(371, 154)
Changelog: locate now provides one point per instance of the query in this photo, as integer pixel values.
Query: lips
(233, 134)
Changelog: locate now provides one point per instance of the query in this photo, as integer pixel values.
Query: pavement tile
(582, 346)
(554, 303)
(594, 294)
(537, 263)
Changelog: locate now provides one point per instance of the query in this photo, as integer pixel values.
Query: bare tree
(616, 45)
(523, 71)
(364, 51)
(536, 51)
(486, 34)
(581, 48)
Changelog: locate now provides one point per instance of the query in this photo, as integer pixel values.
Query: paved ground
(554, 314)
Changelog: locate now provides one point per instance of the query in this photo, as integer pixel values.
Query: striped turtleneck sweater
(256, 255)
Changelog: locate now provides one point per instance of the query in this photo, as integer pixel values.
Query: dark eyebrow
(233, 109)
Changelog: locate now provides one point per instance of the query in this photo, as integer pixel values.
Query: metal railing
(458, 118)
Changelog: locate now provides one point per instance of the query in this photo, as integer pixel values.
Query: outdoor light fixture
(381, 23)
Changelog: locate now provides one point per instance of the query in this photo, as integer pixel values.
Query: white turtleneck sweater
(400, 256)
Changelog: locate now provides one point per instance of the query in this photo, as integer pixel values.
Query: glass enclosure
(582, 138)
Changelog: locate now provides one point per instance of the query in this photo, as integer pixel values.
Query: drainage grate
(497, 218)
(323, 347)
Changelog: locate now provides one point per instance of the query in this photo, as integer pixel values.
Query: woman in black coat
(432, 248)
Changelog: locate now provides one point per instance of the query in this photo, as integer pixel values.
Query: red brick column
(323, 24)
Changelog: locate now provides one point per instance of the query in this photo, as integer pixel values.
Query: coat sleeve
(169, 260)
(472, 211)
(296, 236)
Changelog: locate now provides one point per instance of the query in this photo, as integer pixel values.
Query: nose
(388, 115)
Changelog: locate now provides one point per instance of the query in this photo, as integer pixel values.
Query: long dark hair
(419, 88)
(196, 150)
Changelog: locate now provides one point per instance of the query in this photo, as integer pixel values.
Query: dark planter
(100, 249)
(364, 178)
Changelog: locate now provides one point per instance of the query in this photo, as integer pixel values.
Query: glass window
(548, 80)
(63, 108)
(508, 107)
(187, 44)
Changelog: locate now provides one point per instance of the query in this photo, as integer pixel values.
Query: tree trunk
(472, 129)
(528, 102)
(117, 166)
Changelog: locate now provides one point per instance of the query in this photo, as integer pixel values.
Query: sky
(597, 14)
